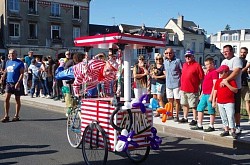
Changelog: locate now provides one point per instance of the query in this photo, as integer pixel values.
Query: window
(76, 32)
(235, 37)
(13, 5)
(212, 48)
(32, 6)
(225, 37)
(14, 30)
(141, 52)
(175, 38)
(201, 48)
(76, 13)
(55, 32)
(235, 48)
(55, 9)
(32, 30)
(193, 46)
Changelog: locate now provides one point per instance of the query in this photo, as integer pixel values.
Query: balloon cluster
(124, 140)
(155, 140)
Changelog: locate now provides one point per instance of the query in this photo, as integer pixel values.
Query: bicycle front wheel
(74, 128)
(138, 155)
(94, 145)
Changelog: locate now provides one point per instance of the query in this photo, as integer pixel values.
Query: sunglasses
(158, 59)
(187, 56)
(141, 59)
(168, 53)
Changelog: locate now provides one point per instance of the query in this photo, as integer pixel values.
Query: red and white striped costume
(87, 73)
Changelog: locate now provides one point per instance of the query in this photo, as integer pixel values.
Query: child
(224, 93)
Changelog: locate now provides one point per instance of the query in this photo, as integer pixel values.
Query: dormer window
(235, 37)
(225, 37)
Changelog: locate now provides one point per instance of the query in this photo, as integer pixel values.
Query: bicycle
(98, 137)
(74, 124)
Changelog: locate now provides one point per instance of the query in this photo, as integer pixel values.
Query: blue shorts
(158, 89)
(204, 102)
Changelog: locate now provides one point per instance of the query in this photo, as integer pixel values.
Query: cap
(222, 68)
(189, 52)
(30, 51)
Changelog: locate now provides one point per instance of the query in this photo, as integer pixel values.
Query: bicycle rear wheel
(74, 128)
(138, 155)
(94, 145)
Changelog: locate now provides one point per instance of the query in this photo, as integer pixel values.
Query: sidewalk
(169, 126)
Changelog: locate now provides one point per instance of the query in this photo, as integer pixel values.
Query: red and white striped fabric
(87, 73)
(101, 111)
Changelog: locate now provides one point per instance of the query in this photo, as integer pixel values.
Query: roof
(247, 31)
(130, 28)
(102, 29)
(189, 26)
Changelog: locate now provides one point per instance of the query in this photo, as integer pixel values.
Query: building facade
(47, 27)
(236, 38)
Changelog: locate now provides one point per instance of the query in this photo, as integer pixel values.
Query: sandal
(5, 119)
(16, 118)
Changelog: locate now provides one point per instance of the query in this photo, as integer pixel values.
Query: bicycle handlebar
(119, 105)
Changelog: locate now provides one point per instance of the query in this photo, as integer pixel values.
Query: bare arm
(233, 89)
(234, 74)
(246, 68)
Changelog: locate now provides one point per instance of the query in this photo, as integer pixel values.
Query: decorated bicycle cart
(111, 124)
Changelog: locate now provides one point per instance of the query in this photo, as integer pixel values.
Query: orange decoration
(166, 112)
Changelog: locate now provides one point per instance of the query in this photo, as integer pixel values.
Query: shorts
(204, 102)
(237, 98)
(190, 99)
(245, 93)
(158, 89)
(173, 93)
(10, 88)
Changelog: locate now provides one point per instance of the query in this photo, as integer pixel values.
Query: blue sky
(211, 15)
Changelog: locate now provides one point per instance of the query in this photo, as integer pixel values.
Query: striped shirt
(86, 74)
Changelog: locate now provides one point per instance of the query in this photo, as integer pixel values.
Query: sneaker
(48, 97)
(193, 123)
(16, 118)
(225, 133)
(209, 129)
(197, 128)
(42, 96)
(238, 131)
(183, 120)
(176, 119)
(234, 135)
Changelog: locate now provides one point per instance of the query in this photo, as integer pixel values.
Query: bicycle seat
(70, 81)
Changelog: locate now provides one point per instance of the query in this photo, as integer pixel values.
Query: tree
(227, 27)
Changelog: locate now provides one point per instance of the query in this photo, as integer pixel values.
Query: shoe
(225, 133)
(183, 120)
(157, 115)
(193, 123)
(42, 96)
(48, 96)
(56, 99)
(16, 118)
(32, 96)
(196, 128)
(238, 131)
(176, 119)
(5, 119)
(234, 135)
(209, 129)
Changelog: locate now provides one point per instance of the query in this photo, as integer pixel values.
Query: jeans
(227, 114)
(35, 83)
(45, 87)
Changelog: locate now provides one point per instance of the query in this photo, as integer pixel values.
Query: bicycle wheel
(138, 155)
(74, 128)
(94, 145)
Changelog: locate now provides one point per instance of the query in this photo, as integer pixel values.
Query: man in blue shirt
(173, 68)
(14, 71)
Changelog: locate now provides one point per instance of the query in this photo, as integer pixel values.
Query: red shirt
(224, 94)
(207, 84)
(191, 77)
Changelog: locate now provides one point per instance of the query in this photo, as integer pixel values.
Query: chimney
(242, 34)
(180, 21)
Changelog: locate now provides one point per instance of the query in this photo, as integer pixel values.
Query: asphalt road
(40, 138)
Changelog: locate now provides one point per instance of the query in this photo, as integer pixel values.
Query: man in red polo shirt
(192, 75)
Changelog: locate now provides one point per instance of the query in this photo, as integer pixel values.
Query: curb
(39, 105)
(212, 139)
